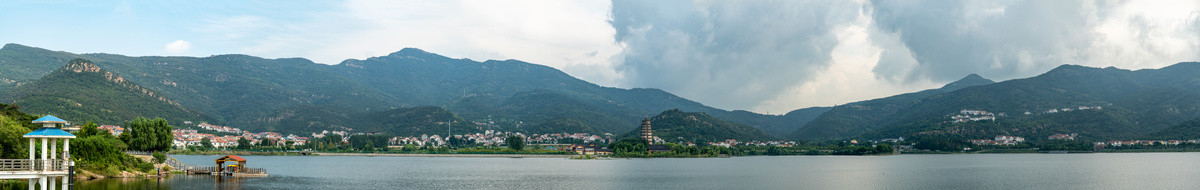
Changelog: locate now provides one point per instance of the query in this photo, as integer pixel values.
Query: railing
(134, 152)
(238, 170)
(176, 165)
(205, 168)
(252, 170)
(16, 164)
(32, 165)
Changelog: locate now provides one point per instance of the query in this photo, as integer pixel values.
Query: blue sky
(763, 56)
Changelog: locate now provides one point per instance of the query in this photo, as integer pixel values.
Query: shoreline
(449, 155)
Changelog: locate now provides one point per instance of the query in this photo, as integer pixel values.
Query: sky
(763, 56)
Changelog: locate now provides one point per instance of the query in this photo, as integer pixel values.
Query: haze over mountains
(412, 92)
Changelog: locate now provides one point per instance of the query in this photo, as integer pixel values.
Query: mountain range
(413, 92)
(294, 95)
(1098, 103)
(856, 118)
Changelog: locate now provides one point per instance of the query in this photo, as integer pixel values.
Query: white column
(66, 148)
(51, 184)
(32, 182)
(66, 162)
(65, 183)
(31, 145)
(44, 164)
(53, 148)
(42, 180)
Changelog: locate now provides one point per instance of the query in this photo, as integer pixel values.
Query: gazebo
(241, 163)
(49, 168)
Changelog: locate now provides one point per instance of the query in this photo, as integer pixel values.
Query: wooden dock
(212, 170)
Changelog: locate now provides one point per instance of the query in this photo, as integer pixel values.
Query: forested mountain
(262, 94)
(22, 64)
(860, 117)
(675, 125)
(389, 94)
(1185, 130)
(497, 88)
(238, 90)
(81, 91)
(1133, 104)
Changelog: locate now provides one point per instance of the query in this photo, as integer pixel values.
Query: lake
(958, 171)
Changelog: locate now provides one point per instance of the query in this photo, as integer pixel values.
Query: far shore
(449, 155)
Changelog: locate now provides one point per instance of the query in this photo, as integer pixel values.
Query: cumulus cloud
(1013, 39)
(771, 56)
(726, 54)
(178, 46)
(764, 56)
(569, 35)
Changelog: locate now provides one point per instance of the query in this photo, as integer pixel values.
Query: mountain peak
(1069, 68)
(1184, 65)
(410, 52)
(21, 48)
(82, 65)
(13, 45)
(970, 80)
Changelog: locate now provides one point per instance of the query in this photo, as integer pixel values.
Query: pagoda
(647, 134)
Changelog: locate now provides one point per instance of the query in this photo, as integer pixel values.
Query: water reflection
(975, 171)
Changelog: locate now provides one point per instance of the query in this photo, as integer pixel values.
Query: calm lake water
(966, 171)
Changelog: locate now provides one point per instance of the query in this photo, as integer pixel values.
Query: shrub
(159, 157)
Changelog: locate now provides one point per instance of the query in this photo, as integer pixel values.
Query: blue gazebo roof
(49, 119)
(49, 132)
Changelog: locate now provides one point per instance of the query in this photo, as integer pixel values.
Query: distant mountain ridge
(1135, 104)
(294, 95)
(81, 91)
(270, 94)
(856, 118)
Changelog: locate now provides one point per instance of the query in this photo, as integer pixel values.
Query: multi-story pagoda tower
(647, 134)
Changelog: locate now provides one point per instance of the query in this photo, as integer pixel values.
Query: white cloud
(178, 46)
(891, 47)
(569, 35)
(726, 54)
(766, 56)
(849, 77)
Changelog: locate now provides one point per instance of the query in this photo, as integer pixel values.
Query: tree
(883, 149)
(632, 145)
(266, 142)
(243, 143)
(367, 142)
(206, 143)
(459, 142)
(515, 142)
(148, 134)
(87, 130)
(11, 142)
